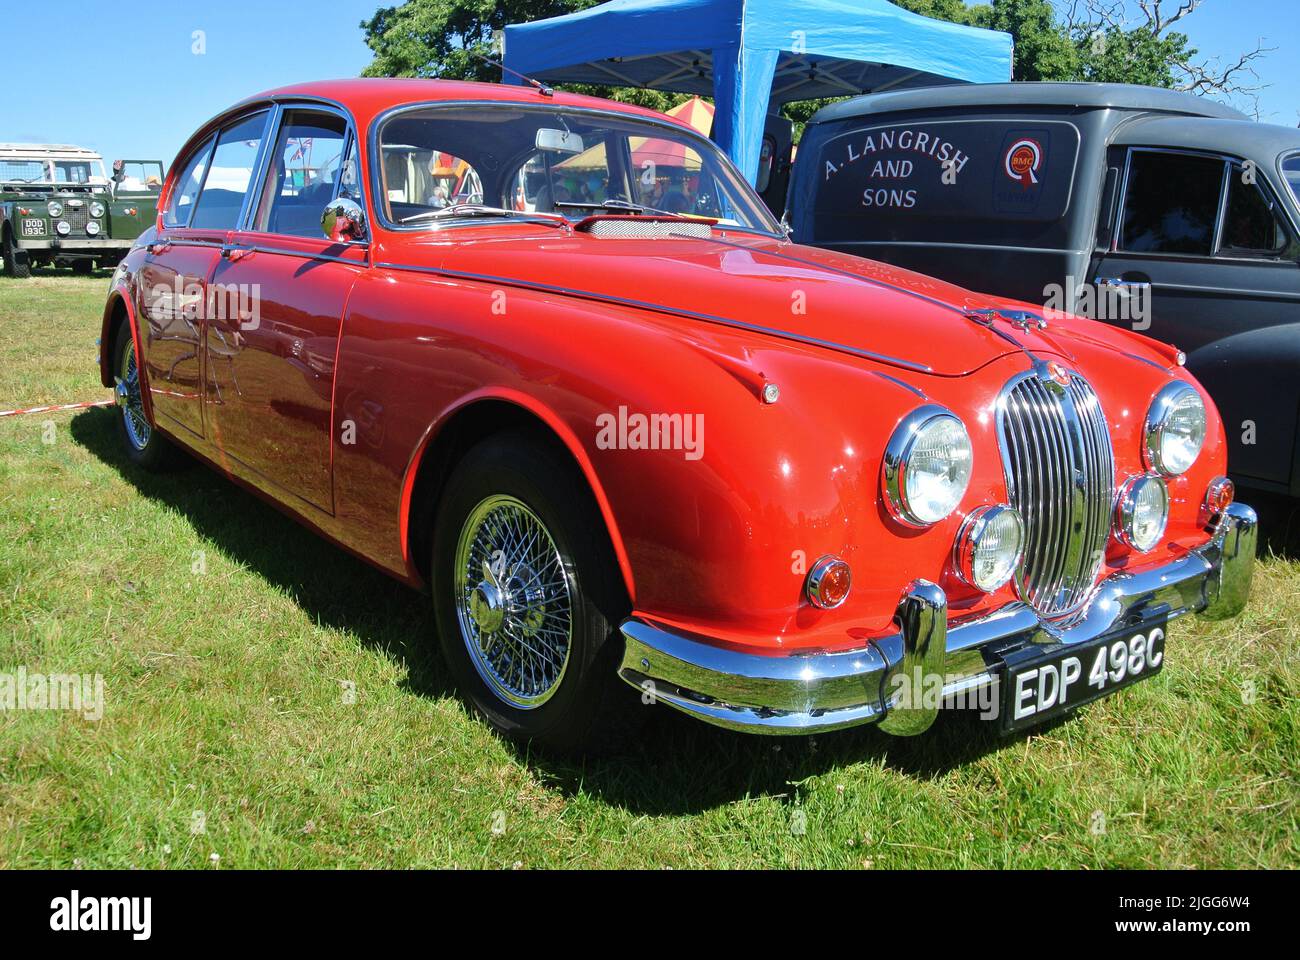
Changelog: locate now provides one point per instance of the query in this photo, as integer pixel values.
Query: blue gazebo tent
(753, 55)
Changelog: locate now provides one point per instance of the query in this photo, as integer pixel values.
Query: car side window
(307, 165)
(1251, 227)
(186, 191)
(1171, 203)
(226, 185)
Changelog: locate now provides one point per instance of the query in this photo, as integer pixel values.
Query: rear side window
(186, 191)
(1171, 204)
(230, 174)
(1251, 227)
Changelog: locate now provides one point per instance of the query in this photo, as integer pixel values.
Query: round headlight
(1142, 512)
(92, 228)
(55, 208)
(96, 209)
(1175, 429)
(63, 228)
(989, 547)
(927, 466)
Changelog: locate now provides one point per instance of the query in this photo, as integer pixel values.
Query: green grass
(224, 695)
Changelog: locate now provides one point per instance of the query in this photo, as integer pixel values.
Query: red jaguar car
(551, 357)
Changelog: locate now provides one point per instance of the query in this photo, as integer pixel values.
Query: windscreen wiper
(483, 210)
(623, 206)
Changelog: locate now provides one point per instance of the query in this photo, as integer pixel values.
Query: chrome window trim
(380, 121)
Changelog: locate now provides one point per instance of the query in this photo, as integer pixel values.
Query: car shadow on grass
(675, 765)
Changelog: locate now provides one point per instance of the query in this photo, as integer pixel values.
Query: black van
(1167, 213)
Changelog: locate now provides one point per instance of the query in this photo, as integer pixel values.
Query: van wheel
(145, 446)
(16, 264)
(528, 598)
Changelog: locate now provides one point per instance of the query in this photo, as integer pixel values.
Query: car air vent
(642, 228)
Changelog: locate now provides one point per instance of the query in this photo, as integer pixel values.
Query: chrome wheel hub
(126, 392)
(513, 602)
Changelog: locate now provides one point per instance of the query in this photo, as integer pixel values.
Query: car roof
(367, 97)
(1263, 140)
(57, 151)
(1122, 96)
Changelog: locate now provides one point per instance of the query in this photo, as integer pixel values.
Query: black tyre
(144, 445)
(528, 598)
(16, 263)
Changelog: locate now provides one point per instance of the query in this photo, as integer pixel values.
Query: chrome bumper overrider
(813, 692)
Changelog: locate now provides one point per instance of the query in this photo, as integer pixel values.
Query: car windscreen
(556, 161)
(987, 181)
(24, 171)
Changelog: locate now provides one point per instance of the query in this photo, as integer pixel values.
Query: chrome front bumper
(813, 692)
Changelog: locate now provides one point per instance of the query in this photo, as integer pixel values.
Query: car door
(170, 296)
(1207, 235)
(280, 290)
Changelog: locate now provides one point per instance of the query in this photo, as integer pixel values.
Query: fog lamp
(92, 228)
(1142, 512)
(63, 228)
(989, 547)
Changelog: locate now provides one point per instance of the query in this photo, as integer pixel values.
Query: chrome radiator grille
(1061, 476)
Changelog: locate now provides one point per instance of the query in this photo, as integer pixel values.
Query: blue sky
(252, 46)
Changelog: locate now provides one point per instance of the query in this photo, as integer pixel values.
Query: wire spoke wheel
(130, 401)
(513, 602)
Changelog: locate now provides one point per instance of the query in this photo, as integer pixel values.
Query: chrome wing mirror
(344, 221)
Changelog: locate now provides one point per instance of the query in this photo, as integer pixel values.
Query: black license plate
(1037, 688)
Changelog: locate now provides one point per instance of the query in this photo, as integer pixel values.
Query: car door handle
(1125, 285)
(156, 248)
(235, 254)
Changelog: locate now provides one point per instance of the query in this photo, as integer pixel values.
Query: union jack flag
(304, 146)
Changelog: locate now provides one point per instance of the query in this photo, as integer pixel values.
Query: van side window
(222, 199)
(1171, 204)
(1250, 226)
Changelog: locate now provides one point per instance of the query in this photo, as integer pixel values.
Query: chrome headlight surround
(977, 530)
(63, 228)
(92, 228)
(1175, 429)
(97, 209)
(1132, 509)
(55, 208)
(904, 504)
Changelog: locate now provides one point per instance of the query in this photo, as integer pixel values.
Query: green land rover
(59, 207)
